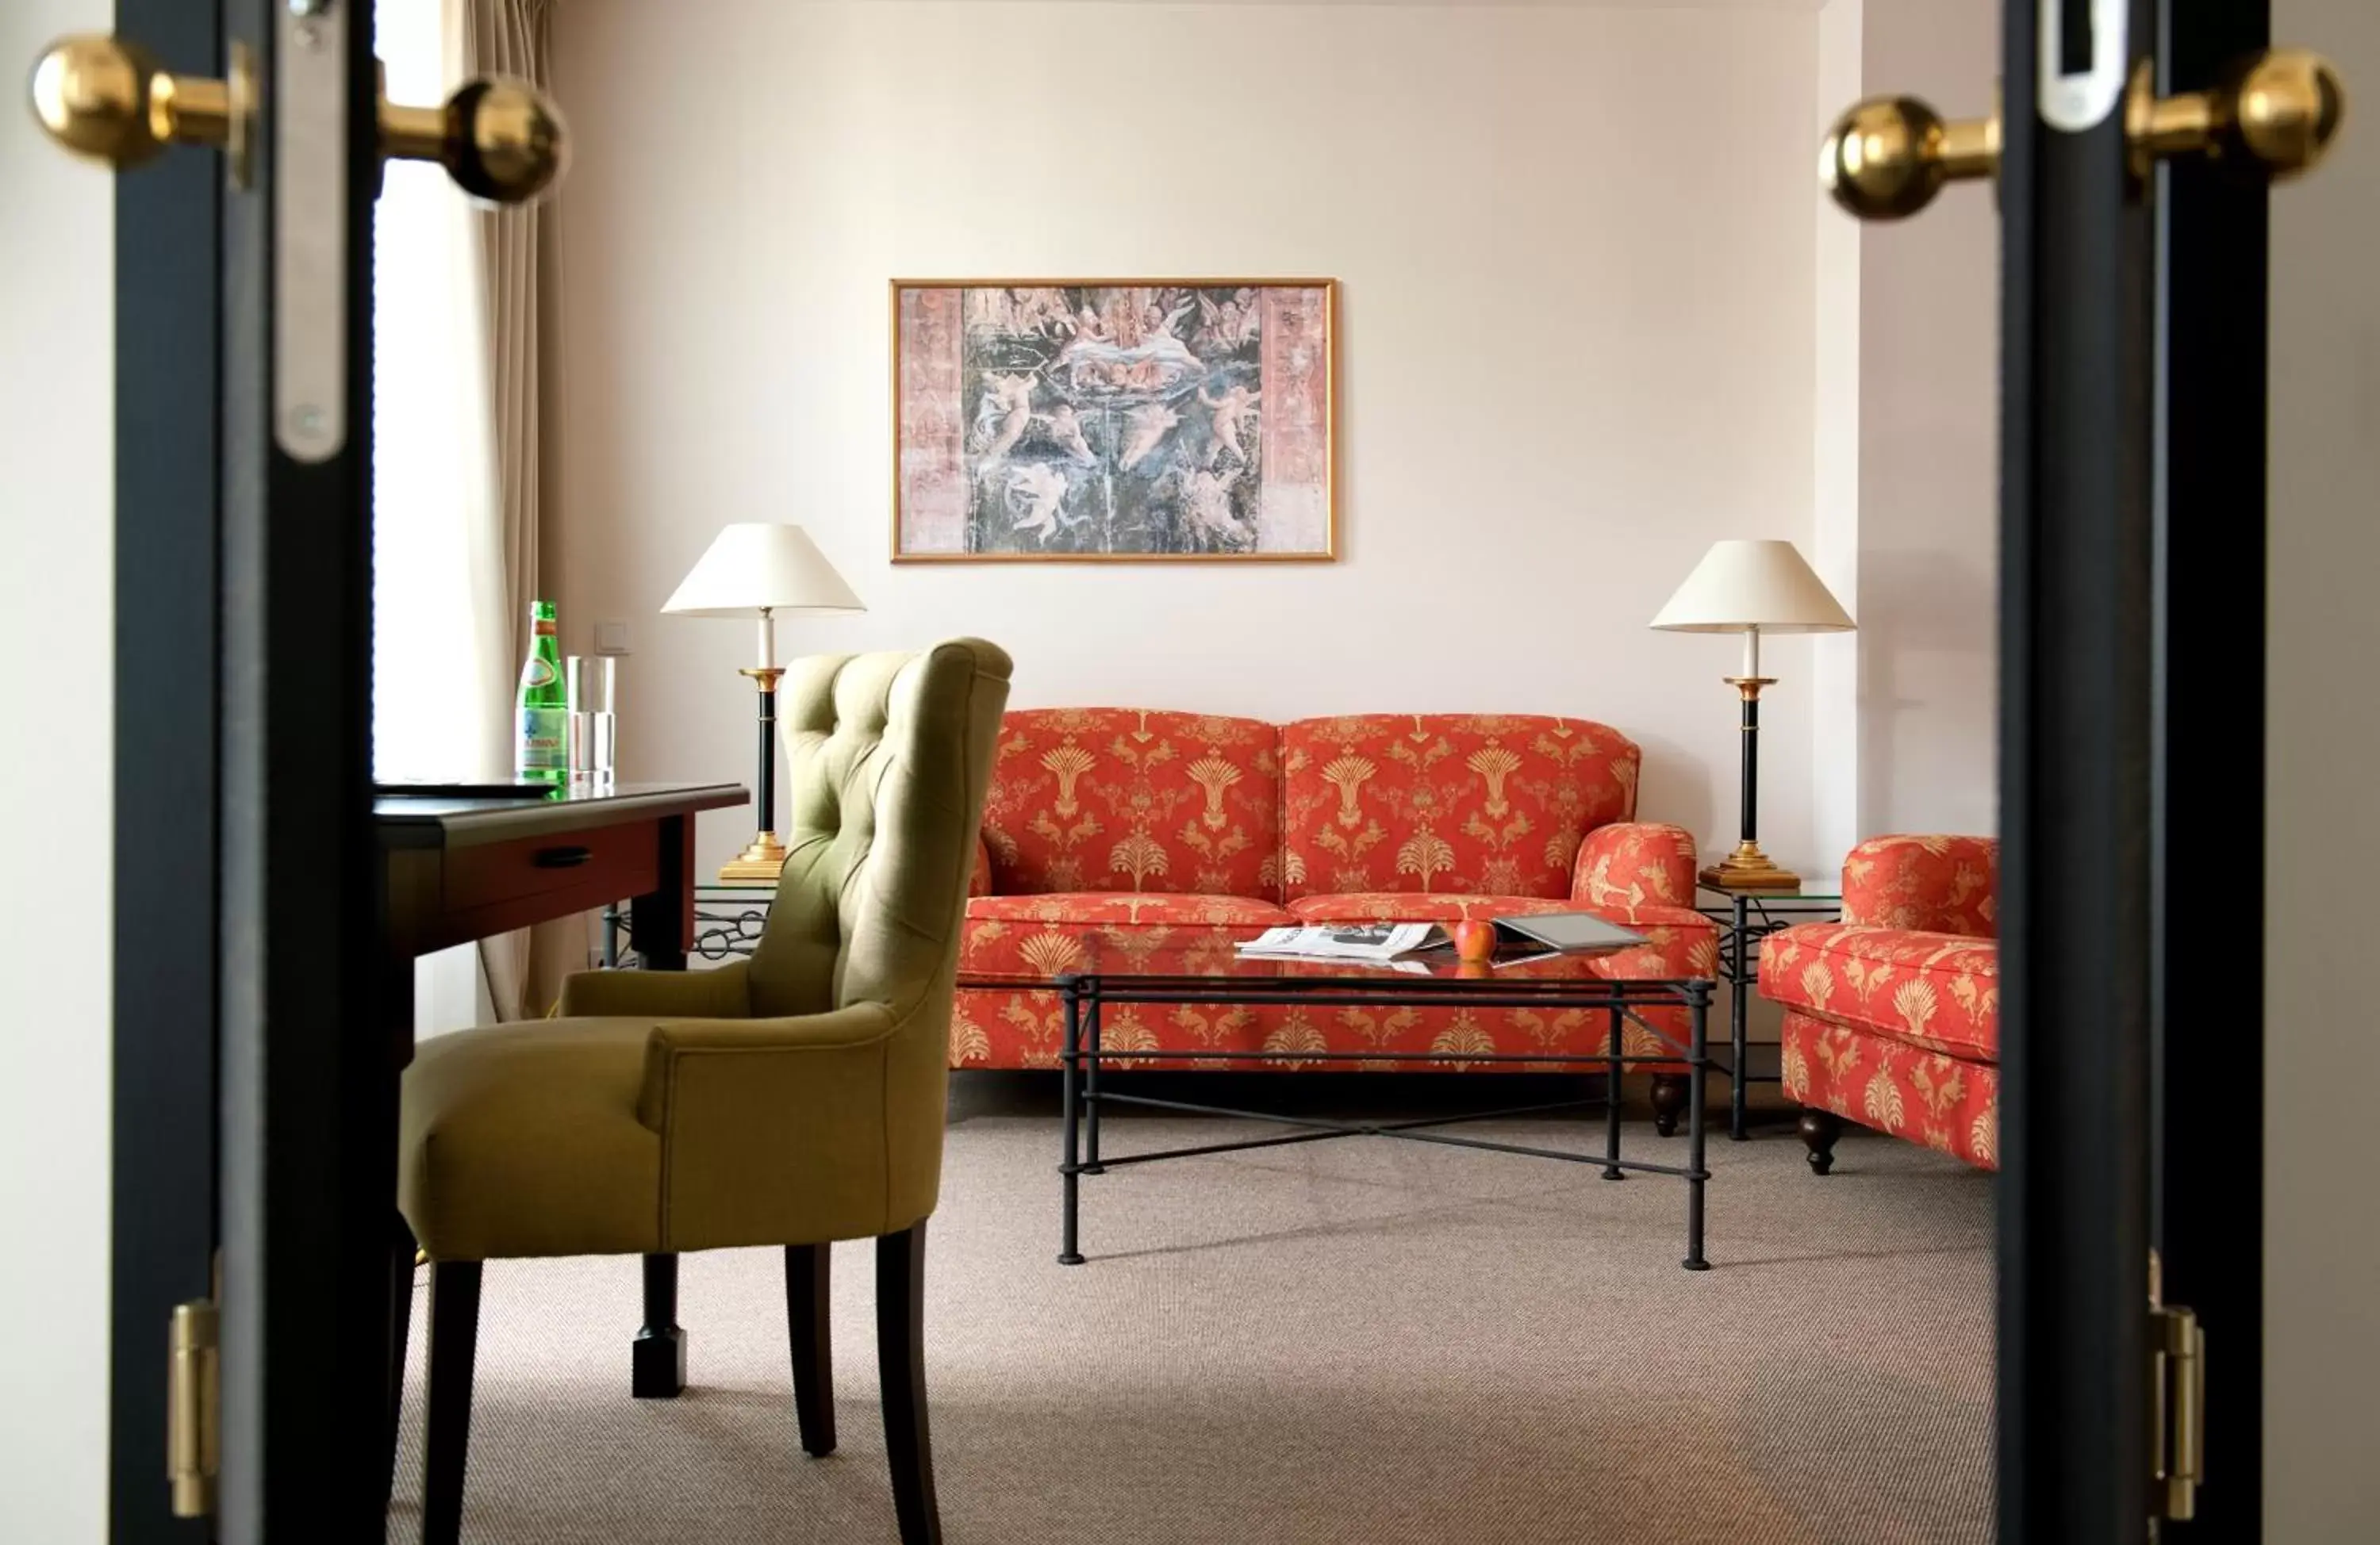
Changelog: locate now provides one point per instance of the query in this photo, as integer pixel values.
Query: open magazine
(1518, 939)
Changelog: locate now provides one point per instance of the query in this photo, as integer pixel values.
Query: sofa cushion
(1939, 991)
(1109, 909)
(1465, 803)
(1132, 800)
(1042, 934)
(1400, 906)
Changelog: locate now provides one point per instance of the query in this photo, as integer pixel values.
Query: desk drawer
(612, 861)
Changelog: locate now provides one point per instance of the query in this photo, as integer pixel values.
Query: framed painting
(1113, 420)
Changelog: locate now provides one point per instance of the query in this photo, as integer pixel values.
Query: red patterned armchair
(1892, 1015)
(1203, 830)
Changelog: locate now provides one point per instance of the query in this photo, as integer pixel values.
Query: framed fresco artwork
(1124, 419)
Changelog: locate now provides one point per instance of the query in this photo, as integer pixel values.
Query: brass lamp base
(1748, 868)
(760, 860)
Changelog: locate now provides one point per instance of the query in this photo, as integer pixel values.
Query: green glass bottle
(540, 750)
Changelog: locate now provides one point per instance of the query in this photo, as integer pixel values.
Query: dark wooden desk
(460, 870)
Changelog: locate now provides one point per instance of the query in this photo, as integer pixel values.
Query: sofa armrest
(1928, 884)
(719, 993)
(1631, 864)
(979, 877)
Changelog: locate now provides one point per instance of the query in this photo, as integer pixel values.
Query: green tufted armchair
(794, 1100)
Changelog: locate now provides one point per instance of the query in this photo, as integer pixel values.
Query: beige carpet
(1357, 1341)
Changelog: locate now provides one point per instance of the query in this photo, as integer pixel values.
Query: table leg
(396, 1278)
(1091, 1092)
(661, 922)
(1697, 1066)
(661, 930)
(657, 1360)
(1613, 1066)
(1738, 1029)
(1070, 1172)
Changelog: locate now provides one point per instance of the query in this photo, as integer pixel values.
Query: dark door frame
(307, 1128)
(168, 282)
(2075, 584)
(2207, 1140)
(2134, 487)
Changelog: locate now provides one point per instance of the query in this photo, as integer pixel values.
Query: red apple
(1475, 939)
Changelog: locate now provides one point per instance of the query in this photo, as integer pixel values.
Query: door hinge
(2177, 1403)
(193, 1404)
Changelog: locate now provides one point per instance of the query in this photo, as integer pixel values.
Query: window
(438, 664)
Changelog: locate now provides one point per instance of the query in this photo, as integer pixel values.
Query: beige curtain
(508, 251)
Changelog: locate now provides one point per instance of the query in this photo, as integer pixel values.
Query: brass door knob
(1888, 156)
(2273, 116)
(501, 139)
(111, 102)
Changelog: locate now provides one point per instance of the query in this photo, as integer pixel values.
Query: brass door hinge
(2177, 1403)
(193, 1405)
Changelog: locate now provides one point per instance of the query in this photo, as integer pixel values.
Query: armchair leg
(1669, 1091)
(453, 1348)
(1819, 1128)
(806, 1323)
(900, 1354)
(657, 1358)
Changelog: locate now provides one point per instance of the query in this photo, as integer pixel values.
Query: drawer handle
(562, 858)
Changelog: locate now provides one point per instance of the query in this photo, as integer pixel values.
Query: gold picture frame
(1097, 382)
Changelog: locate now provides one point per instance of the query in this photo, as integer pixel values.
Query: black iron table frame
(727, 921)
(1739, 967)
(1082, 1059)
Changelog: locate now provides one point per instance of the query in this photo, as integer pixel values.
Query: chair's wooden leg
(807, 1326)
(900, 1354)
(453, 1348)
(401, 1247)
(657, 1358)
(1819, 1128)
(1669, 1095)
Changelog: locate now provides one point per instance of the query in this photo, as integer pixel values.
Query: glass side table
(728, 917)
(1746, 917)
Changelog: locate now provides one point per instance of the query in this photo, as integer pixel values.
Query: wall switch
(610, 638)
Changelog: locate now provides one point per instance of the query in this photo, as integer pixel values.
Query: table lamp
(757, 569)
(1752, 587)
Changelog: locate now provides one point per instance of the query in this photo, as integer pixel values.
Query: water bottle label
(540, 672)
(541, 745)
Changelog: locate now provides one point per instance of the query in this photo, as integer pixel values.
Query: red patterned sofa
(1200, 831)
(1892, 1015)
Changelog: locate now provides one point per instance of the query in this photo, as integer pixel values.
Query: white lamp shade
(1741, 586)
(755, 565)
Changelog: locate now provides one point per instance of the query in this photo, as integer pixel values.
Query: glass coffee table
(1105, 968)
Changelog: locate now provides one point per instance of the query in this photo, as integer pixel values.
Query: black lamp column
(1748, 868)
(764, 856)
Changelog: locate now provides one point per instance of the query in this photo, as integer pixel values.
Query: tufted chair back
(887, 757)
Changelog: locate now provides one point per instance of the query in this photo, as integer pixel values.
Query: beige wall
(2322, 1253)
(1928, 517)
(1578, 340)
(56, 706)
